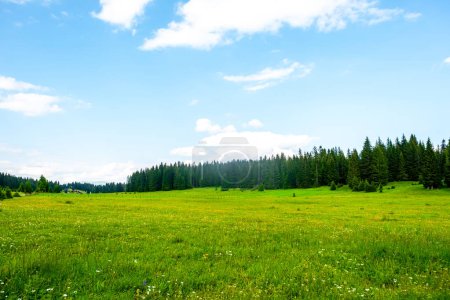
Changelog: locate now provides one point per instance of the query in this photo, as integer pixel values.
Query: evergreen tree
(402, 176)
(42, 185)
(393, 158)
(447, 166)
(353, 170)
(380, 164)
(366, 162)
(429, 168)
(28, 188)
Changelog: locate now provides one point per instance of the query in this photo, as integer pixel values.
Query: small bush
(261, 188)
(16, 195)
(380, 188)
(293, 195)
(8, 193)
(333, 186)
(223, 189)
(393, 187)
(369, 188)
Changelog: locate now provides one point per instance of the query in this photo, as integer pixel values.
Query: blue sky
(92, 90)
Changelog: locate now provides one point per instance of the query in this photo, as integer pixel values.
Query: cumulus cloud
(270, 76)
(266, 143)
(206, 125)
(30, 104)
(413, 16)
(12, 84)
(121, 13)
(254, 123)
(447, 60)
(208, 23)
(66, 172)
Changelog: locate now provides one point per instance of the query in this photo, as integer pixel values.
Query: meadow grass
(204, 243)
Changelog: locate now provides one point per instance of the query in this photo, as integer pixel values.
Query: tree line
(374, 166)
(28, 185)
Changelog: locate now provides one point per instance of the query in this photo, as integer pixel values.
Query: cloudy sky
(93, 90)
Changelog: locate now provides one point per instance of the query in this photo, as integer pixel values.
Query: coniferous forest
(374, 166)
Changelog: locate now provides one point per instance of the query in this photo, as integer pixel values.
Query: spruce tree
(366, 162)
(42, 185)
(353, 178)
(447, 166)
(380, 164)
(429, 168)
(28, 188)
(402, 176)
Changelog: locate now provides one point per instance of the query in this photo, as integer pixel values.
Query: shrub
(223, 189)
(333, 186)
(369, 188)
(8, 193)
(261, 188)
(380, 188)
(16, 195)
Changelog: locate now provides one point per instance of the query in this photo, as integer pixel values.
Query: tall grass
(210, 244)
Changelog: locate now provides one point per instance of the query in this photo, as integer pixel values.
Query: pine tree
(447, 166)
(28, 188)
(380, 164)
(429, 167)
(402, 176)
(366, 162)
(42, 185)
(353, 178)
(392, 154)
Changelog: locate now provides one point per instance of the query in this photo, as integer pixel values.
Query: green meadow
(209, 244)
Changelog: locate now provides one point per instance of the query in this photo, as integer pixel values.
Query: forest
(368, 170)
(374, 166)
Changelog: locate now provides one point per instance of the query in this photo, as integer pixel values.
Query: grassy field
(210, 244)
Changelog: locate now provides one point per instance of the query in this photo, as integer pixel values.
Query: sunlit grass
(212, 244)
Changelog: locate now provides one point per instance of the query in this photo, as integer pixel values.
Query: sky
(94, 90)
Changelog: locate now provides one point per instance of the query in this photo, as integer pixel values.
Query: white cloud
(66, 172)
(447, 60)
(30, 104)
(122, 13)
(205, 125)
(182, 151)
(412, 16)
(208, 23)
(265, 142)
(270, 76)
(255, 123)
(11, 84)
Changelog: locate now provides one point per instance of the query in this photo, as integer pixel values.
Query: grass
(210, 244)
